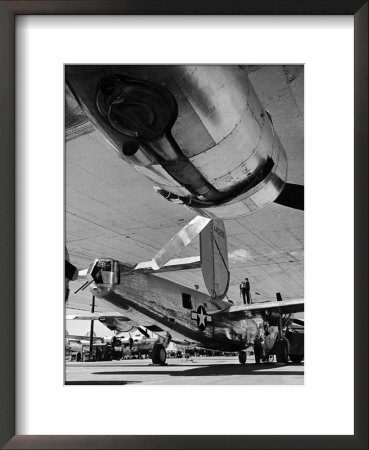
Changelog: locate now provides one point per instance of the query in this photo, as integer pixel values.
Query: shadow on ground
(214, 370)
(99, 382)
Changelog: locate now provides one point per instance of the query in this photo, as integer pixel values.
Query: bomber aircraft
(185, 316)
(201, 135)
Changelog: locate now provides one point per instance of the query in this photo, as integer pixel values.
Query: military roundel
(201, 317)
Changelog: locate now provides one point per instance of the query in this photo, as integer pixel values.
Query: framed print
(172, 90)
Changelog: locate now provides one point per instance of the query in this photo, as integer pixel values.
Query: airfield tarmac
(198, 370)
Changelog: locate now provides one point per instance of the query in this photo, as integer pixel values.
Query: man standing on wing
(245, 291)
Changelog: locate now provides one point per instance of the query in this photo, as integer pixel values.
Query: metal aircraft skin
(112, 210)
(177, 313)
(221, 154)
(222, 158)
(157, 304)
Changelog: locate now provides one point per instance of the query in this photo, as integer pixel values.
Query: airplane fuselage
(186, 314)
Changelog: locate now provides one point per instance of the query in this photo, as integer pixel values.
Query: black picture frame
(8, 12)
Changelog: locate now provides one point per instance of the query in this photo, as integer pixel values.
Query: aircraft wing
(113, 321)
(237, 312)
(145, 220)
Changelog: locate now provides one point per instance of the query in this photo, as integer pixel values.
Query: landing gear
(281, 351)
(281, 345)
(258, 350)
(242, 357)
(158, 355)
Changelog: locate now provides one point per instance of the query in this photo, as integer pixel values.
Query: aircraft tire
(159, 354)
(281, 351)
(242, 357)
(296, 359)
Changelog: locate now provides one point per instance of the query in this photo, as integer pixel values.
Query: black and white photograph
(164, 167)
(184, 224)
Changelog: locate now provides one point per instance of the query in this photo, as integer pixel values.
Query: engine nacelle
(198, 132)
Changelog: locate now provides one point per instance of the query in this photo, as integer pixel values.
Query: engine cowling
(199, 133)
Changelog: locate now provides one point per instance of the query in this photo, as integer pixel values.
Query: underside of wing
(113, 321)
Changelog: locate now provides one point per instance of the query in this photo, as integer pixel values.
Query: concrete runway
(199, 370)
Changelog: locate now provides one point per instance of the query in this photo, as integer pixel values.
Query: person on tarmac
(245, 291)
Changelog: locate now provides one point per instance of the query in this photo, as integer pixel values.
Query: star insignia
(202, 319)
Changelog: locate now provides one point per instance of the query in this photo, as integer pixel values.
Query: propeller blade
(144, 332)
(292, 196)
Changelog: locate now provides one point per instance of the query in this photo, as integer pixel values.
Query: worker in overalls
(245, 291)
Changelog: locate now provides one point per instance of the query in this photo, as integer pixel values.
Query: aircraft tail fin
(214, 258)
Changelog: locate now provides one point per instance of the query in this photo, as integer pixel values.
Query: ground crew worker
(258, 348)
(245, 291)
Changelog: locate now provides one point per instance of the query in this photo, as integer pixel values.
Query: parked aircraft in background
(80, 346)
(137, 342)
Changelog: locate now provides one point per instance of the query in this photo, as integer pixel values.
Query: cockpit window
(104, 265)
